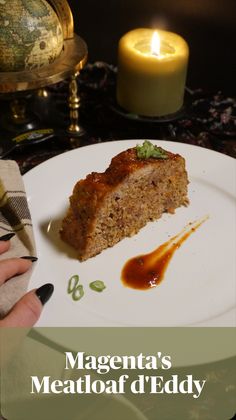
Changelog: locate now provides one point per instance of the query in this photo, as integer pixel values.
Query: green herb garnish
(97, 286)
(148, 150)
(73, 282)
(78, 292)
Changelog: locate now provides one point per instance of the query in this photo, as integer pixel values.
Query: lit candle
(152, 68)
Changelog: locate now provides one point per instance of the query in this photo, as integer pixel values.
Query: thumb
(27, 310)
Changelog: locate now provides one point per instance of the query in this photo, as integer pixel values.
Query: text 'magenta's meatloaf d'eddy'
(140, 184)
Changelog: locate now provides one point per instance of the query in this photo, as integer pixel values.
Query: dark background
(207, 25)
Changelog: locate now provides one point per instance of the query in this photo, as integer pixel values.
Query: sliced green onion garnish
(78, 292)
(73, 282)
(97, 286)
(148, 150)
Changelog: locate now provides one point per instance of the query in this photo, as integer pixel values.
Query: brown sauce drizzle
(147, 271)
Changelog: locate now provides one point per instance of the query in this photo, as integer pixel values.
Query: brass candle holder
(15, 85)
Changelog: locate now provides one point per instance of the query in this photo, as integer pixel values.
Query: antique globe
(31, 35)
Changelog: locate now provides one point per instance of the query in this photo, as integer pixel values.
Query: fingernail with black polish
(28, 257)
(45, 292)
(7, 237)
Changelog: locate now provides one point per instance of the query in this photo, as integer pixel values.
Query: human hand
(27, 310)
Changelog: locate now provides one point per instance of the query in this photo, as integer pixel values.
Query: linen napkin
(14, 217)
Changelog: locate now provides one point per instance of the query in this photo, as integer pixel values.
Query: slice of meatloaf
(106, 207)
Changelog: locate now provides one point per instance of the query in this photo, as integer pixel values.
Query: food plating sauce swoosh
(147, 271)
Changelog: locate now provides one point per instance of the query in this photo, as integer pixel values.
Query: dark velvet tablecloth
(208, 119)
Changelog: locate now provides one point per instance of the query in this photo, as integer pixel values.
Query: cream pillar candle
(152, 68)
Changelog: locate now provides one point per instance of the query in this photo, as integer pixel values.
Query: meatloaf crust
(106, 207)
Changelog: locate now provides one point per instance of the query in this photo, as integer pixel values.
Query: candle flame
(156, 44)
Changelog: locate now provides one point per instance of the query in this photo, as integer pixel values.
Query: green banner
(118, 373)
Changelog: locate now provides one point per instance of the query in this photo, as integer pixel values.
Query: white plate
(199, 284)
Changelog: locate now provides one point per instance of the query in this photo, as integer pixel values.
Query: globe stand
(74, 103)
(19, 86)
